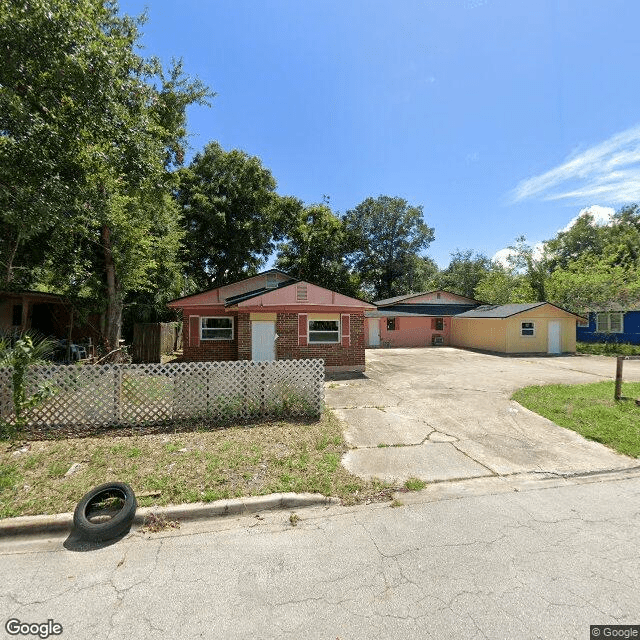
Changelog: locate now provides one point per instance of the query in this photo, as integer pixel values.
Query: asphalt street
(490, 558)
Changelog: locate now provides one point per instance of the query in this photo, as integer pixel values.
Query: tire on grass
(117, 524)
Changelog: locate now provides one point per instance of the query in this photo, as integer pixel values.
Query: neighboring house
(48, 313)
(611, 326)
(538, 327)
(272, 316)
(415, 320)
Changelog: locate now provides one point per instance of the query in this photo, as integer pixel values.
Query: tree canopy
(89, 133)
(390, 234)
(317, 248)
(232, 215)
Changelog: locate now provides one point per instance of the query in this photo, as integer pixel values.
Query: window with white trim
(216, 328)
(324, 331)
(609, 322)
(527, 329)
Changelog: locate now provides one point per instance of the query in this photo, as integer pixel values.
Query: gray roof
(433, 309)
(507, 310)
(500, 311)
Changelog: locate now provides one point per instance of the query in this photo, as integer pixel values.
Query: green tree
(232, 215)
(584, 236)
(316, 249)
(504, 285)
(89, 133)
(390, 233)
(594, 266)
(464, 272)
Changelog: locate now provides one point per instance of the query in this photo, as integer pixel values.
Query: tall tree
(232, 215)
(89, 132)
(464, 272)
(316, 249)
(605, 272)
(390, 234)
(504, 285)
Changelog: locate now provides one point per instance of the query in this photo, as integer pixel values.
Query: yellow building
(537, 327)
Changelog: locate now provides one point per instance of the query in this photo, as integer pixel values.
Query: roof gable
(439, 296)
(299, 293)
(264, 281)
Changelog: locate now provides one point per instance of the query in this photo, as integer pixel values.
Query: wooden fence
(97, 396)
(151, 340)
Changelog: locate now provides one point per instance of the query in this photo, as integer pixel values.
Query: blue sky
(500, 118)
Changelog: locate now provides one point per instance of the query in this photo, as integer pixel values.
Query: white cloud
(601, 216)
(609, 172)
(502, 256)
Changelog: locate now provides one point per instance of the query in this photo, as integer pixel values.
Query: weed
(415, 484)
(294, 518)
(396, 503)
(155, 523)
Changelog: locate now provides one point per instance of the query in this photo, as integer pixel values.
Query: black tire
(118, 524)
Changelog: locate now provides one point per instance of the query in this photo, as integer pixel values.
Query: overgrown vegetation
(608, 348)
(201, 465)
(591, 411)
(18, 354)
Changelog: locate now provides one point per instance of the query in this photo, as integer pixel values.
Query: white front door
(554, 345)
(263, 340)
(374, 332)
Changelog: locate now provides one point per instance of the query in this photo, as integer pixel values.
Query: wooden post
(618, 391)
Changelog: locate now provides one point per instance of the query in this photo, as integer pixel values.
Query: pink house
(272, 316)
(415, 320)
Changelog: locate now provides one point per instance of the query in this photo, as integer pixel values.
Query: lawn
(591, 411)
(190, 466)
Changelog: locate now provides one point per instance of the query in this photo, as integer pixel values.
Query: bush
(608, 348)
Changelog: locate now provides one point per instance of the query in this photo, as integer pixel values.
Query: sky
(498, 118)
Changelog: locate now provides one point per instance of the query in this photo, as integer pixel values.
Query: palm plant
(18, 352)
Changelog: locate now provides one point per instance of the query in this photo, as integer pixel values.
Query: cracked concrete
(444, 413)
(542, 562)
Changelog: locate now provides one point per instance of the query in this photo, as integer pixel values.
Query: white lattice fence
(97, 396)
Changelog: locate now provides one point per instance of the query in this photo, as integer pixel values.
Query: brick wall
(244, 337)
(334, 355)
(210, 350)
(287, 348)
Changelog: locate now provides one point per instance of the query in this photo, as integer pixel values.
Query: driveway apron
(445, 414)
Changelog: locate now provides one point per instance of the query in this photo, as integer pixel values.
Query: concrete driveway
(445, 414)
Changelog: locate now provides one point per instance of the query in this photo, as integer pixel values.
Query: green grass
(415, 484)
(591, 411)
(608, 348)
(246, 460)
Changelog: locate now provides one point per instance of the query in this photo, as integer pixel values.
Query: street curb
(63, 522)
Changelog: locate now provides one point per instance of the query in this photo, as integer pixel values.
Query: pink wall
(409, 332)
(306, 294)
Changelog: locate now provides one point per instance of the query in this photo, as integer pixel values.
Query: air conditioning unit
(437, 340)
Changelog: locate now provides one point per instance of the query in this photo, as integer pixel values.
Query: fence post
(117, 394)
(618, 391)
